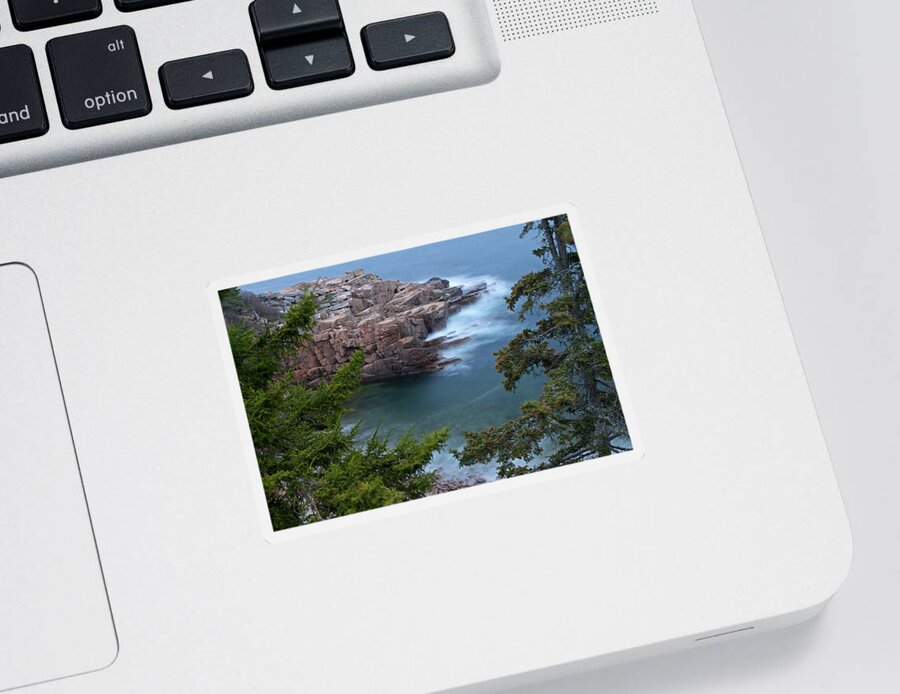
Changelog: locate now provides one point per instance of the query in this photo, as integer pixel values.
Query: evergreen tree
(577, 415)
(311, 466)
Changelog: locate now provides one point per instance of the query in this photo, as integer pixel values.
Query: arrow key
(206, 79)
(297, 64)
(274, 20)
(408, 40)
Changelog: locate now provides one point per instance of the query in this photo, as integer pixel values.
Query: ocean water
(468, 395)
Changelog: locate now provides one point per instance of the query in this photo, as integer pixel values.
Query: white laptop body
(140, 548)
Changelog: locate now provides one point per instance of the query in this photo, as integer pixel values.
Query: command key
(22, 111)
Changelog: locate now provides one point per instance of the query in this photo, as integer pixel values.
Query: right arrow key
(408, 40)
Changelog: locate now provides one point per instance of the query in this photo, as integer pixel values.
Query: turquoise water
(469, 394)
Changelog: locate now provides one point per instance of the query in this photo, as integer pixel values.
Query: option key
(99, 77)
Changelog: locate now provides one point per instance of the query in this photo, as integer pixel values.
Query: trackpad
(55, 619)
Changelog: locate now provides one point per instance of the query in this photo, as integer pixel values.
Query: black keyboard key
(99, 77)
(37, 14)
(408, 40)
(297, 64)
(22, 112)
(284, 19)
(131, 5)
(206, 79)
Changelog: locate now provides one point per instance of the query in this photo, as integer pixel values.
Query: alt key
(99, 77)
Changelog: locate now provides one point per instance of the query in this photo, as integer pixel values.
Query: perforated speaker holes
(521, 19)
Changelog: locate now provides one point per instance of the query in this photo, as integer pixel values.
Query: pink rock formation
(388, 320)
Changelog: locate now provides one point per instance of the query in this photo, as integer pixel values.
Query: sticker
(468, 359)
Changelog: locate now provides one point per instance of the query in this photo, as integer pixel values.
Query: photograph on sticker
(423, 371)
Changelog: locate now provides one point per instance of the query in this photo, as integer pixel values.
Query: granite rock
(389, 320)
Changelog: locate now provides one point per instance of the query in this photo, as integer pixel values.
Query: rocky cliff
(389, 320)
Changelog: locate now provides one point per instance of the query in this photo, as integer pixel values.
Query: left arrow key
(206, 79)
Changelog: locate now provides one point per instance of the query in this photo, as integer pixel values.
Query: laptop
(386, 347)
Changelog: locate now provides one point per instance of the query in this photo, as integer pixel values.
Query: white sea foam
(483, 321)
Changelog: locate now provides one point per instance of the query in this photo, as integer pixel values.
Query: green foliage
(232, 304)
(311, 465)
(577, 415)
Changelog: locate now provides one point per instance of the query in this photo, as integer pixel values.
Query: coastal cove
(466, 393)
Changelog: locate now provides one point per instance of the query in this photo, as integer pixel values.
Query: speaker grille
(521, 19)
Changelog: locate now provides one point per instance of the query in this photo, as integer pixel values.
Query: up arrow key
(287, 21)
(408, 37)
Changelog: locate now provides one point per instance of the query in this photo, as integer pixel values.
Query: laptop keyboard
(103, 76)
